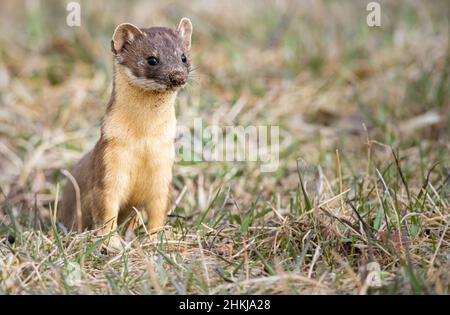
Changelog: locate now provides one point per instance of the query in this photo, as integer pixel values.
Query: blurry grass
(364, 161)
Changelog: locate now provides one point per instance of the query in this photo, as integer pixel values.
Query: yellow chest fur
(140, 129)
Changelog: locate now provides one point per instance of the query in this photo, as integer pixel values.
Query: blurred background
(343, 93)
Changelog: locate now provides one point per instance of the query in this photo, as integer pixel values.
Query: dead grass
(363, 184)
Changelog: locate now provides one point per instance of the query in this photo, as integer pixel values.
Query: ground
(358, 205)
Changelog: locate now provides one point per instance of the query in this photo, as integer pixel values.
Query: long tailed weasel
(131, 164)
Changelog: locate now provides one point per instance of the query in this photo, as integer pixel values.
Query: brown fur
(131, 164)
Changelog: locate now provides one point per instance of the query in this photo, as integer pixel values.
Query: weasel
(131, 164)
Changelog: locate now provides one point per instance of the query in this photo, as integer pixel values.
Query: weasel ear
(185, 30)
(124, 33)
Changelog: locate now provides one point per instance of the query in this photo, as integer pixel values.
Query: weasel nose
(177, 77)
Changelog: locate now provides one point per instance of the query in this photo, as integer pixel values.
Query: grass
(362, 191)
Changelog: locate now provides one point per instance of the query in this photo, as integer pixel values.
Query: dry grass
(363, 182)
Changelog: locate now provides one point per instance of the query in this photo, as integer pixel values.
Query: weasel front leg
(105, 213)
(157, 208)
(106, 208)
(157, 203)
(110, 194)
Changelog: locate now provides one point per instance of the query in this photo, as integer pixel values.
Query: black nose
(177, 77)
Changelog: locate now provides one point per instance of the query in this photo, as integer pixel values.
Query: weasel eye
(183, 58)
(152, 61)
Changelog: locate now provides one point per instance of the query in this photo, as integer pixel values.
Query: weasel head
(156, 58)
